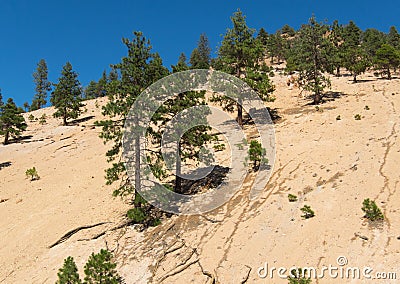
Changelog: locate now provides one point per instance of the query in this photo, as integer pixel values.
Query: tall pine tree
(43, 86)
(66, 97)
(200, 57)
(310, 55)
(241, 55)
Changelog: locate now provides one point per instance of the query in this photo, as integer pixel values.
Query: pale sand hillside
(332, 165)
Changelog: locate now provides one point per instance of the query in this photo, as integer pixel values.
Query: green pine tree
(43, 86)
(101, 269)
(310, 55)
(394, 37)
(12, 123)
(68, 274)
(386, 58)
(137, 71)
(372, 40)
(66, 97)
(355, 57)
(256, 154)
(200, 57)
(241, 55)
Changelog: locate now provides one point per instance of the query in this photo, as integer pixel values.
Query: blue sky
(88, 33)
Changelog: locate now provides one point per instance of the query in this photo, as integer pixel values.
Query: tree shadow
(22, 139)
(327, 97)
(80, 120)
(212, 180)
(362, 81)
(5, 165)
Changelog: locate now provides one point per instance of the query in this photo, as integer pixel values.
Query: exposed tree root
(74, 231)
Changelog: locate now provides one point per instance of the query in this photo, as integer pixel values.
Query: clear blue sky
(88, 33)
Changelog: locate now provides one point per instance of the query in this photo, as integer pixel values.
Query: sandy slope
(332, 165)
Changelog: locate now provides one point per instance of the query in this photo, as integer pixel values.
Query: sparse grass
(299, 276)
(32, 173)
(357, 117)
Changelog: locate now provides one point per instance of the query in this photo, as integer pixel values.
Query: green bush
(292, 197)
(307, 212)
(31, 118)
(32, 173)
(68, 274)
(98, 269)
(367, 108)
(219, 147)
(42, 119)
(372, 211)
(101, 269)
(137, 215)
(256, 154)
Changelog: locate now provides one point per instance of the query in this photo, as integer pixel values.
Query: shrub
(31, 118)
(219, 147)
(68, 274)
(101, 269)
(32, 173)
(372, 211)
(338, 117)
(98, 269)
(357, 117)
(137, 215)
(307, 212)
(256, 154)
(366, 108)
(292, 197)
(42, 119)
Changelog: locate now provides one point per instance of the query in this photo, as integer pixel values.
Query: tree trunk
(64, 120)
(240, 113)
(137, 159)
(178, 179)
(6, 137)
(389, 75)
(317, 98)
(355, 78)
(338, 71)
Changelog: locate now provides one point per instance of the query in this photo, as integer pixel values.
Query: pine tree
(336, 37)
(355, 57)
(256, 154)
(66, 97)
(12, 123)
(288, 31)
(393, 37)
(372, 40)
(240, 55)
(386, 58)
(310, 55)
(91, 90)
(276, 47)
(138, 70)
(101, 269)
(200, 57)
(262, 36)
(68, 274)
(188, 145)
(43, 86)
